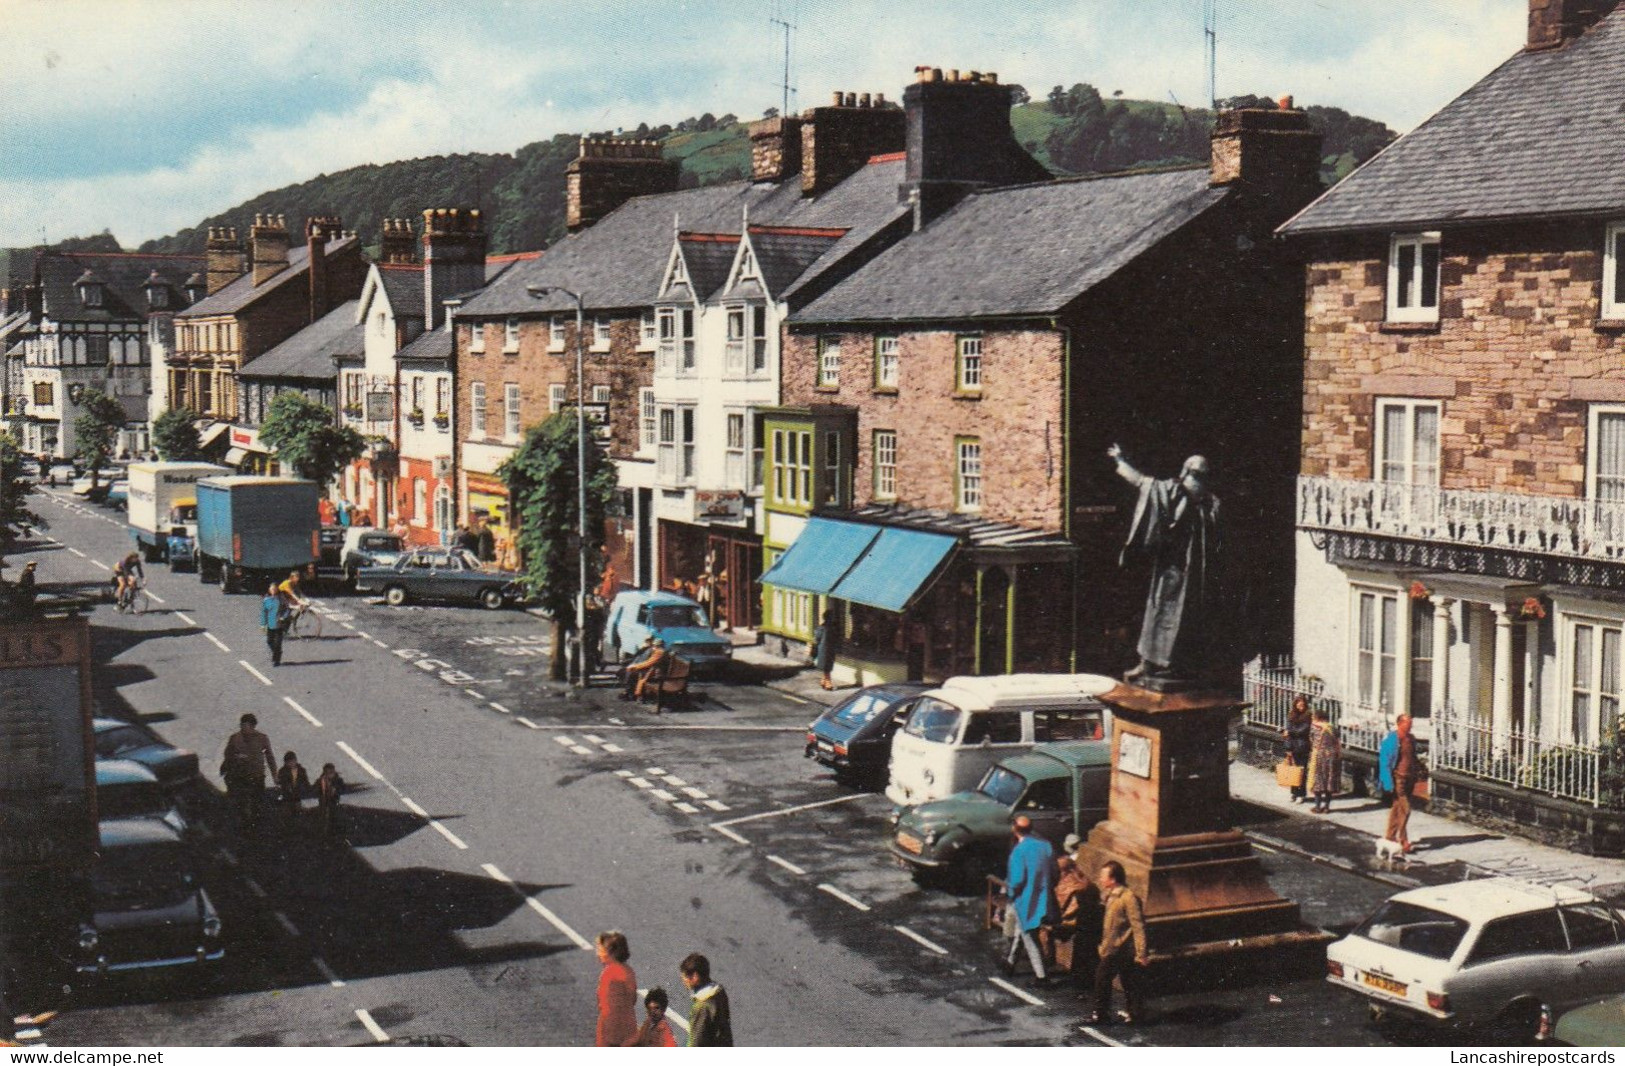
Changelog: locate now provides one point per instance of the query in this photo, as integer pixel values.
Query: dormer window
(1413, 278)
(89, 288)
(196, 289)
(1613, 273)
(157, 297)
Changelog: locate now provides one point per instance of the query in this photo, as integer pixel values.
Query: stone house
(306, 363)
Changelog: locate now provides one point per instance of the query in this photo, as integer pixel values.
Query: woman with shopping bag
(1325, 763)
(1292, 772)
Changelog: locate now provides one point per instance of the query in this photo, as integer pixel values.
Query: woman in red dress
(617, 991)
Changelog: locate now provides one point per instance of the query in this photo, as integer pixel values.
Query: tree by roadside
(305, 438)
(543, 493)
(16, 517)
(175, 436)
(96, 430)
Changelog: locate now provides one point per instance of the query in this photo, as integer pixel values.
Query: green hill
(1070, 131)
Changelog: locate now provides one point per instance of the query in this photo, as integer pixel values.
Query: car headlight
(931, 838)
(896, 816)
(211, 926)
(88, 938)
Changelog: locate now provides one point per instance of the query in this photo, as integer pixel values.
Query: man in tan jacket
(1122, 946)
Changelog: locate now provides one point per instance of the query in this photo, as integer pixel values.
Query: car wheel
(1521, 1022)
(491, 599)
(395, 595)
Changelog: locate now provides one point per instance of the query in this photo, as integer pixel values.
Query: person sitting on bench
(648, 666)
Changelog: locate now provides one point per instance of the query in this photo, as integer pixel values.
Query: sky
(145, 116)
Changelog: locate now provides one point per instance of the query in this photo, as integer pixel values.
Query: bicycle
(305, 624)
(133, 599)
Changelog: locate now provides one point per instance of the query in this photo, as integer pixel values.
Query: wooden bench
(671, 687)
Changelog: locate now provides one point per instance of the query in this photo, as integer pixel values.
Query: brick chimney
(959, 139)
(397, 242)
(225, 260)
(453, 258)
(268, 238)
(318, 231)
(837, 141)
(775, 148)
(1553, 23)
(1271, 152)
(610, 172)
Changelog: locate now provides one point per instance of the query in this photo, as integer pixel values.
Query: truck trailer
(163, 499)
(256, 530)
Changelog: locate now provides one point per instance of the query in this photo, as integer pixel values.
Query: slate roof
(1025, 250)
(708, 257)
(308, 354)
(782, 257)
(436, 345)
(123, 276)
(1541, 135)
(619, 262)
(242, 291)
(404, 287)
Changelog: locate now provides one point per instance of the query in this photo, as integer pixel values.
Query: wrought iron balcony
(1549, 525)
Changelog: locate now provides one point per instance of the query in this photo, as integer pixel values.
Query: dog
(1390, 852)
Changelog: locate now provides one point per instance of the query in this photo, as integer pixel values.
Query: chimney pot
(1284, 103)
(991, 78)
(936, 74)
(865, 100)
(953, 74)
(837, 98)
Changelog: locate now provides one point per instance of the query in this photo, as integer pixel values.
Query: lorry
(253, 531)
(163, 499)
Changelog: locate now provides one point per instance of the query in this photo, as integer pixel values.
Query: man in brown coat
(1122, 946)
(1407, 772)
(247, 759)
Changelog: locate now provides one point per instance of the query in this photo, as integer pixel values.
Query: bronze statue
(1176, 526)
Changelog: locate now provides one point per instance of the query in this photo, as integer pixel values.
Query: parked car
(365, 546)
(853, 737)
(635, 615)
(1600, 1024)
(146, 908)
(444, 575)
(175, 767)
(1494, 952)
(118, 494)
(104, 481)
(126, 789)
(1063, 788)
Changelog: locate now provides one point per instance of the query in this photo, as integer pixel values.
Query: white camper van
(957, 732)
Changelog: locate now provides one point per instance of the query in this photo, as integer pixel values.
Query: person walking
(655, 1030)
(710, 1023)
(292, 784)
(617, 991)
(826, 645)
(485, 543)
(1387, 753)
(329, 788)
(1030, 884)
(1122, 947)
(1325, 763)
(244, 765)
(1407, 773)
(464, 540)
(274, 620)
(1297, 734)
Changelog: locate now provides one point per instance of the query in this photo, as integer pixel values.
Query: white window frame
(736, 448)
(687, 444)
(1613, 272)
(792, 467)
(666, 444)
(476, 408)
(1414, 310)
(510, 336)
(512, 422)
(968, 363)
(556, 398)
(1594, 418)
(829, 362)
(686, 362)
(600, 334)
(647, 420)
(647, 332)
(887, 361)
(1379, 443)
(442, 394)
(556, 333)
(666, 340)
(476, 337)
(758, 328)
(968, 475)
(600, 395)
(1385, 650)
(735, 341)
(884, 462)
(1571, 728)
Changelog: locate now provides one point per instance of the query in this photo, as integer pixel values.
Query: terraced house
(1461, 504)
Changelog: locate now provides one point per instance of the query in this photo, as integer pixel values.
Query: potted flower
(1420, 591)
(1532, 609)
(352, 410)
(415, 416)
(442, 419)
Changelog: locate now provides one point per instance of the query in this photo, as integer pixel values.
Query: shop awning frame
(897, 567)
(821, 556)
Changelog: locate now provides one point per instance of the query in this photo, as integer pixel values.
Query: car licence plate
(826, 747)
(1387, 984)
(911, 844)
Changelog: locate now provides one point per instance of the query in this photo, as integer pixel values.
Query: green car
(1601, 1024)
(1063, 788)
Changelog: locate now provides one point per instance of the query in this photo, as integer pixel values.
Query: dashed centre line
(183, 616)
(216, 642)
(434, 823)
(98, 564)
(372, 1027)
(850, 901)
(246, 666)
(536, 905)
(788, 865)
(76, 551)
(918, 939)
(359, 761)
(526, 722)
(495, 706)
(288, 926)
(308, 716)
(730, 834)
(1019, 993)
(154, 597)
(327, 972)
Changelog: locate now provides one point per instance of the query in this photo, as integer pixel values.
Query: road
(498, 822)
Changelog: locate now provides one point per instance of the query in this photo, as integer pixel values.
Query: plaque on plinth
(1202, 886)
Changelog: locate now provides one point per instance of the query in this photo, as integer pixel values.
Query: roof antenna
(783, 18)
(744, 212)
(1210, 35)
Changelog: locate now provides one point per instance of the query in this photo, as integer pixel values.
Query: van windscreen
(934, 720)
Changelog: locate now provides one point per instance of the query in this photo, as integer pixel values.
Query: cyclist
(127, 577)
(297, 604)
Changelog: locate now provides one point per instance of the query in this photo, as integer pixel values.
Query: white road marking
(920, 940)
(623, 773)
(788, 865)
(98, 564)
(717, 805)
(495, 706)
(359, 761)
(674, 727)
(579, 750)
(154, 597)
(53, 540)
(327, 972)
(413, 807)
(496, 873)
(674, 781)
(263, 679)
(793, 810)
(282, 920)
(695, 793)
(640, 782)
(455, 841)
(686, 808)
(614, 749)
(526, 722)
(183, 617)
(1019, 993)
(346, 625)
(381, 644)
(77, 552)
(592, 738)
(476, 693)
(254, 887)
(730, 834)
(378, 1033)
(843, 897)
(362, 635)
(1100, 1036)
(657, 771)
(558, 923)
(796, 699)
(563, 740)
(216, 642)
(308, 716)
(662, 795)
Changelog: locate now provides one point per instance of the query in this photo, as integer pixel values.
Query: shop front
(716, 559)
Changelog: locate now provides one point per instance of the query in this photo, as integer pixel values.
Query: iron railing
(1469, 745)
(1270, 686)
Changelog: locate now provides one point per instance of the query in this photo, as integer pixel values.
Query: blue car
(637, 614)
(175, 767)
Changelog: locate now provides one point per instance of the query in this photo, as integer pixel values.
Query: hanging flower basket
(442, 420)
(1532, 609)
(1420, 591)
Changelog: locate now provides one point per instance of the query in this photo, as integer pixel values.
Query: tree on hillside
(306, 439)
(175, 436)
(16, 517)
(543, 490)
(96, 430)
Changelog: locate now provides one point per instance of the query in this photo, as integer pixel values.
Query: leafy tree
(305, 437)
(15, 514)
(175, 436)
(1019, 95)
(543, 491)
(96, 430)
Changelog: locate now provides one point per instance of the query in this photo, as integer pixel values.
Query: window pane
(1406, 257)
(1430, 275)
(1393, 443)
(1610, 452)
(1619, 266)
(1390, 624)
(1608, 677)
(1425, 449)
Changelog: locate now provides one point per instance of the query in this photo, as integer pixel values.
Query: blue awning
(820, 556)
(897, 566)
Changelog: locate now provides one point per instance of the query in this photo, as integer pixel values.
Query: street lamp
(541, 292)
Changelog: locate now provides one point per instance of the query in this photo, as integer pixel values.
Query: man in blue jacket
(1030, 883)
(274, 620)
(1387, 756)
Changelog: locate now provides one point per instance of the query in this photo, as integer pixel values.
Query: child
(292, 782)
(329, 786)
(655, 1030)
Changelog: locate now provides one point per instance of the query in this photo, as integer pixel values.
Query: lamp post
(540, 292)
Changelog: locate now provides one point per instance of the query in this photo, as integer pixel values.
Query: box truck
(162, 499)
(255, 530)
